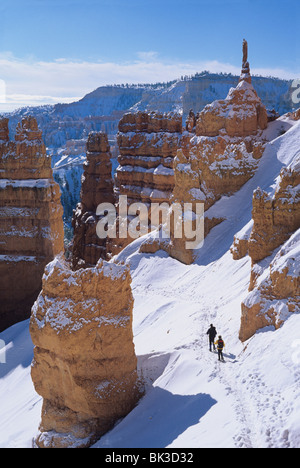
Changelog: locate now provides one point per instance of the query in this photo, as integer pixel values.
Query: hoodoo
(84, 363)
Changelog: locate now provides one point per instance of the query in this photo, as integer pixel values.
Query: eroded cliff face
(84, 363)
(275, 290)
(31, 226)
(97, 188)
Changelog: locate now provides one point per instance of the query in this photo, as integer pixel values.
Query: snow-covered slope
(191, 400)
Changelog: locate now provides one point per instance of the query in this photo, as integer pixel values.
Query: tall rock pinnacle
(245, 75)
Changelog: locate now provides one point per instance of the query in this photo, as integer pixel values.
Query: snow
(197, 194)
(191, 400)
(245, 232)
(18, 258)
(29, 183)
(159, 170)
(20, 405)
(289, 257)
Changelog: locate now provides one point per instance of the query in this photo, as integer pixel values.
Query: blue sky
(61, 49)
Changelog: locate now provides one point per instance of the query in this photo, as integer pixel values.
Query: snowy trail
(225, 374)
(202, 311)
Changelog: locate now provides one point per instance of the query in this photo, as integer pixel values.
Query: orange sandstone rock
(276, 221)
(84, 363)
(148, 144)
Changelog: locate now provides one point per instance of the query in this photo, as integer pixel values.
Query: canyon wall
(31, 226)
(275, 217)
(276, 294)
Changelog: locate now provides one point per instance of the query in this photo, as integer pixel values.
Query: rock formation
(245, 64)
(241, 114)
(220, 151)
(84, 363)
(277, 291)
(239, 248)
(97, 187)
(275, 220)
(31, 226)
(274, 217)
(148, 144)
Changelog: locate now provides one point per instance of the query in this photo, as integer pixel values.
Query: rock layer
(97, 187)
(84, 363)
(31, 226)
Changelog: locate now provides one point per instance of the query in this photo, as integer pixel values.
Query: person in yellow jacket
(220, 346)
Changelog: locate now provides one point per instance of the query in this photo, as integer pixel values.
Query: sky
(59, 50)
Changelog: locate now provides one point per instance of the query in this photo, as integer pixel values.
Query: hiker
(212, 333)
(220, 346)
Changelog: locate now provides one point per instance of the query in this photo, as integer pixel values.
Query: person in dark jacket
(212, 333)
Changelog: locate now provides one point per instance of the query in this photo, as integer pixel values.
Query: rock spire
(245, 75)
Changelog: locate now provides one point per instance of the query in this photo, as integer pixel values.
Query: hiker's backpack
(220, 344)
